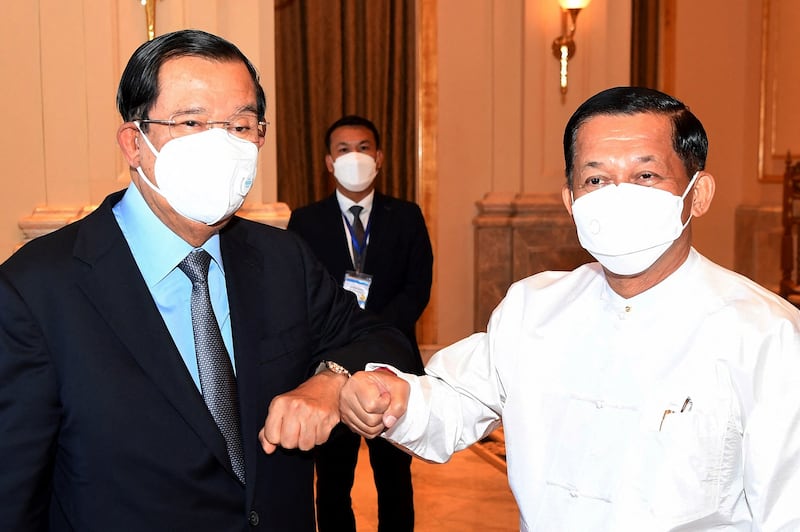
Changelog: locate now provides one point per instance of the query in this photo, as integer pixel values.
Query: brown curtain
(338, 57)
(644, 43)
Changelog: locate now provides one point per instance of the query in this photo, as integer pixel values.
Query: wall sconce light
(150, 16)
(564, 45)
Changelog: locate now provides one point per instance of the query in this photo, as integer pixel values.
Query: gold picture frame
(779, 107)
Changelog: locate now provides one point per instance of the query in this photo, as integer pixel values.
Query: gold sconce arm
(564, 45)
(150, 16)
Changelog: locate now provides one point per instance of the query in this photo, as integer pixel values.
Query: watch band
(334, 367)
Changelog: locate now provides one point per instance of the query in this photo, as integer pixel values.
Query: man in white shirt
(653, 390)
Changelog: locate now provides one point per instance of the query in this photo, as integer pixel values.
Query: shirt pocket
(680, 465)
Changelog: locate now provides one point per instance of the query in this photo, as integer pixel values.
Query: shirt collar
(156, 249)
(345, 203)
(668, 290)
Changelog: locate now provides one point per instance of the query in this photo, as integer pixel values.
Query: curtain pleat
(335, 58)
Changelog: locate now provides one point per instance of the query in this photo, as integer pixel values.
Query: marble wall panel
(517, 236)
(757, 243)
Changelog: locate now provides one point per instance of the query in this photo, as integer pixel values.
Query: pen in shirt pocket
(687, 407)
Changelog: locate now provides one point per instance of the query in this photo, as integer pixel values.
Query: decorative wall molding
(276, 214)
(47, 219)
(780, 85)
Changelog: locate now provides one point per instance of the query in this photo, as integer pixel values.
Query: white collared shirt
(581, 380)
(344, 206)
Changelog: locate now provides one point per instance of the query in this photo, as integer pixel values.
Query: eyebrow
(190, 110)
(600, 164)
(249, 108)
(355, 142)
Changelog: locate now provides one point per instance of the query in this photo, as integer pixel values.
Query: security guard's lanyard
(359, 248)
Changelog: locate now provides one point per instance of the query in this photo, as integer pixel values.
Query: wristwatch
(334, 367)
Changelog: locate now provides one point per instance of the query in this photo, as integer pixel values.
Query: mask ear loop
(139, 168)
(147, 140)
(685, 193)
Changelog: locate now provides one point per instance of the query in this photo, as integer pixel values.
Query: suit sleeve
(29, 416)
(405, 308)
(344, 333)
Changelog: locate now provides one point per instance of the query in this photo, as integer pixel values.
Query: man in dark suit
(134, 390)
(378, 247)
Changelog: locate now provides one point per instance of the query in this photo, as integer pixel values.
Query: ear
(379, 159)
(566, 197)
(128, 140)
(329, 163)
(702, 194)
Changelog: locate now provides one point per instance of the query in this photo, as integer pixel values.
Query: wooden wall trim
(427, 123)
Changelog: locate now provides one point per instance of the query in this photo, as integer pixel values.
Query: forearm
(376, 343)
(439, 420)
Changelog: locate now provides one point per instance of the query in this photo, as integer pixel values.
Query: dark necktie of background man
(358, 232)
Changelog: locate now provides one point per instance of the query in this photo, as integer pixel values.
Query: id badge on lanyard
(358, 283)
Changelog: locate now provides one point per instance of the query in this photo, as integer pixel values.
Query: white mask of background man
(354, 160)
(355, 171)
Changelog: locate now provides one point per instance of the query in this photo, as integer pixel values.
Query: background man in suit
(378, 247)
(133, 387)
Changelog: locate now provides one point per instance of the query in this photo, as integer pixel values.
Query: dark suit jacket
(102, 426)
(399, 256)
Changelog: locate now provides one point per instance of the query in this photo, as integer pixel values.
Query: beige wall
(61, 62)
(718, 75)
(501, 115)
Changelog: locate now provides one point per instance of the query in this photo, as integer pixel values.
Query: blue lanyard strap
(358, 247)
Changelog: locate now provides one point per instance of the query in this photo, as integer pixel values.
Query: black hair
(355, 121)
(138, 87)
(689, 139)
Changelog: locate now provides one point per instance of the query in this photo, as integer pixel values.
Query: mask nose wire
(683, 196)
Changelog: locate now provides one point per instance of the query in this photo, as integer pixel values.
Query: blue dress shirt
(157, 252)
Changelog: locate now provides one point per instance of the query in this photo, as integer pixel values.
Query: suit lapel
(335, 238)
(113, 283)
(377, 226)
(247, 291)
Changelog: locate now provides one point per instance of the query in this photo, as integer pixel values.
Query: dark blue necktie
(358, 233)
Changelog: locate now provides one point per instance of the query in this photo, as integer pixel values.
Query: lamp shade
(573, 4)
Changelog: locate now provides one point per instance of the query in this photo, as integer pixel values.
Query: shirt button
(253, 518)
(573, 493)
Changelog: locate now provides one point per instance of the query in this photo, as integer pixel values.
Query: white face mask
(355, 171)
(205, 177)
(628, 227)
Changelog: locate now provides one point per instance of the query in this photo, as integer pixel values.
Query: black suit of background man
(400, 260)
